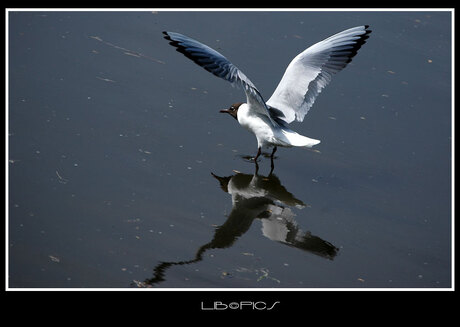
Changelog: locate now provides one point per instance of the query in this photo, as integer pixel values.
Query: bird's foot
(249, 158)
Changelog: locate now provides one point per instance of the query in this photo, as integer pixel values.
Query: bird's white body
(268, 134)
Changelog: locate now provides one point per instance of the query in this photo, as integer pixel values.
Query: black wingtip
(172, 42)
(358, 44)
(166, 36)
(363, 37)
(367, 30)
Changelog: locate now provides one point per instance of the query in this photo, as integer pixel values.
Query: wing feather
(310, 71)
(216, 63)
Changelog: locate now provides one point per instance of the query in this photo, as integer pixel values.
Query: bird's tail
(296, 139)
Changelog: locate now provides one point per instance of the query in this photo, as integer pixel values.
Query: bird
(303, 80)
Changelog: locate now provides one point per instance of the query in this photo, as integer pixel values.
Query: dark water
(122, 173)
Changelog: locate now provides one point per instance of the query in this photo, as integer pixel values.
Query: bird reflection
(255, 197)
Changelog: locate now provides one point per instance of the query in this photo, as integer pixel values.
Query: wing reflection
(264, 198)
(255, 196)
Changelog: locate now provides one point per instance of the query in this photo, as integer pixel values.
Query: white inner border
(451, 10)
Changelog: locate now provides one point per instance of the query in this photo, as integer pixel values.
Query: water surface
(122, 173)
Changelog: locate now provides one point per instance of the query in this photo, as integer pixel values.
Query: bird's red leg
(258, 154)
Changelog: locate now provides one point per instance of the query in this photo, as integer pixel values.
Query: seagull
(305, 77)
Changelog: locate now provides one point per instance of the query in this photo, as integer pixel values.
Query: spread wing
(216, 63)
(310, 71)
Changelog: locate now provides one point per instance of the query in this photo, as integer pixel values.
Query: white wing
(310, 71)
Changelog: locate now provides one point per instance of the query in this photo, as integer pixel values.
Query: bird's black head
(233, 110)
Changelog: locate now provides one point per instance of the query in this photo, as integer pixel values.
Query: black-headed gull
(307, 74)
